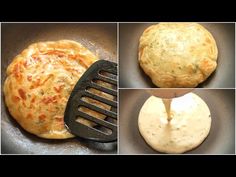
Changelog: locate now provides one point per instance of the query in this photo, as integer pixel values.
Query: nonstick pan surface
(221, 139)
(132, 75)
(100, 38)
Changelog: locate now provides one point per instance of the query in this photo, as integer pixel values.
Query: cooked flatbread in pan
(177, 54)
(39, 82)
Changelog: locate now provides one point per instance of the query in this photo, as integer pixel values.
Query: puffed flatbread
(177, 54)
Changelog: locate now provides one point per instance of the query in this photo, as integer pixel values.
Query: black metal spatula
(106, 72)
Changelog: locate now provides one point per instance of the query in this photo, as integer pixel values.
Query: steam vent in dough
(177, 54)
(189, 126)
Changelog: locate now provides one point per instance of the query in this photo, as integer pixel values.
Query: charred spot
(22, 94)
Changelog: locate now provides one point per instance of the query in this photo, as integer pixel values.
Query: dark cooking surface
(221, 139)
(99, 38)
(223, 77)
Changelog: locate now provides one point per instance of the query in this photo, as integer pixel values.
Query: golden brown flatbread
(177, 54)
(39, 82)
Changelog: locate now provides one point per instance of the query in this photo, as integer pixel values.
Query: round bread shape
(39, 82)
(177, 54)
(189, 126)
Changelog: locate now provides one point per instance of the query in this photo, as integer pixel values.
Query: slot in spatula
(104, 130)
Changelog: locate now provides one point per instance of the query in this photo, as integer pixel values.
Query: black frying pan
(100, 38)
(221, 139)
(223, 77)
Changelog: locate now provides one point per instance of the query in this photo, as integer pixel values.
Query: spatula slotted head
(104, 130)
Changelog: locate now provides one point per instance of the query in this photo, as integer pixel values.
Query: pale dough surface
(190, 124)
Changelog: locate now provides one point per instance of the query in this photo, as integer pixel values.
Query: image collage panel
(118, 88)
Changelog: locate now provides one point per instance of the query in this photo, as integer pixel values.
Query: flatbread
(189, 126)
(177, 54)
(39, 82)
